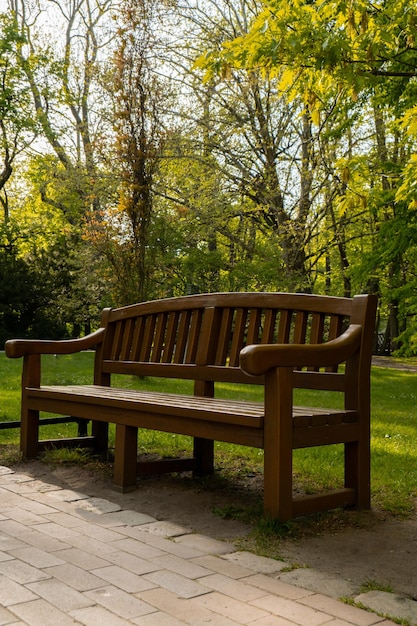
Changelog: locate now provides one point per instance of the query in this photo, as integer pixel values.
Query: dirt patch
(382, 550)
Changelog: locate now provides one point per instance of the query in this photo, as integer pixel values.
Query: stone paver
(70, 559)
(394, 605)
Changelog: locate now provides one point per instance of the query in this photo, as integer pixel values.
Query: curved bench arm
(16, 348)
(257, 359)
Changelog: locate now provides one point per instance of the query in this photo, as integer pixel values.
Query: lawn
(394, 429)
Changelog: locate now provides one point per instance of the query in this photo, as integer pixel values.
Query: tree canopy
(154, 148)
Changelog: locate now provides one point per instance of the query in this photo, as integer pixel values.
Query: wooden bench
(281, 341)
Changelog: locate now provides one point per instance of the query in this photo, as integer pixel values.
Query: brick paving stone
(158, 619)
(183, 587)
(55, 530)
(316, 581)
(81, 558)
(99, 533)
(185, 567)
(274, 620)
(165, 529)
(234, 588)
(22, 572)
(119, 602)
(36, 557)
(98, 616)
(138, 548)
(99, 506)
(44, 541)
(390, 604)
(12, 592)
(341, 610)
(185, 611)
(62, 596)
(221, 566)
(41, 613)
(165, 545)
(91, 545)
(31, 486)
(65, 519)
(4, 556)
(6, 616)
(9, 502)
(204, 544)
(38, 508)
(293, 610)
(8, 543)
(75, 577)
(127, 581)
(68, 495)
(126, 518)
(233, 609)
(24, 517)
(5, 470)
(260, 564)
(12, 528)
(132, 563)
(277, 587)
(341, 622)
(14, 477)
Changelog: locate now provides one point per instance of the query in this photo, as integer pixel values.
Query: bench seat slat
(197, 407)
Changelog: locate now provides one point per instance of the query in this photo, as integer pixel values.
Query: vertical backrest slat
(171, 336)
(224, 336)
(191, 351)
(317, 328)
(137, 337)
(254, 326)
(335, 326)
(117, 341)
(126, 346)
(159, 337)
(284, 327)
(182, 337)
(238, 336)
(145, 351)
(335, 329)
(268, 332)
(300, 327)
(316, 332)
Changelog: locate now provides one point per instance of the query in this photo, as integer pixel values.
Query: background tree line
(153, 148)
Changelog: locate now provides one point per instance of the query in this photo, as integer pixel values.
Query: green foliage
(326, 44)
(21, 297)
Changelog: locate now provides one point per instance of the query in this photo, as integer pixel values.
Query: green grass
(394, 430)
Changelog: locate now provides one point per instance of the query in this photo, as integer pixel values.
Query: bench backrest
(199, 337)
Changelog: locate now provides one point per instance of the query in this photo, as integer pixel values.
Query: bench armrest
(16, 348)
(257, 359)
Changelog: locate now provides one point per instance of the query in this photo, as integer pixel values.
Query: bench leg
(358, 471)
(125, 458)
(29, 433)
(204, 455)
(100, 432)
(278, 445)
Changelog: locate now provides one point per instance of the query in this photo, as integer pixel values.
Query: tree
(17, 122)
(123, 232)
(333, 56)
(61, 66)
